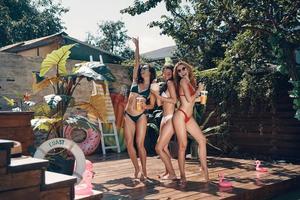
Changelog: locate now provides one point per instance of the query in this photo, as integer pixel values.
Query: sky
(83, 17)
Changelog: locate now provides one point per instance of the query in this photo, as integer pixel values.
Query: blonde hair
(177, 78)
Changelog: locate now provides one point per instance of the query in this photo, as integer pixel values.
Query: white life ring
(54, 143)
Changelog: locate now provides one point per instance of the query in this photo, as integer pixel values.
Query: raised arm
(137, 58)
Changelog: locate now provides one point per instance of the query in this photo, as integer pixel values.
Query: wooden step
(95, 196)
(19, 180)
(23, 172)
(26, 163)
(21, 194)
(57, 186)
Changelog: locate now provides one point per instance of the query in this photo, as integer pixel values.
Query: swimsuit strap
(191, 89)
(135, 89)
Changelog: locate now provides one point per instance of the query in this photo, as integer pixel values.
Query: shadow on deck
(114, 178)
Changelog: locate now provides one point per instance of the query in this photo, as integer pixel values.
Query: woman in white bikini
(168, 100)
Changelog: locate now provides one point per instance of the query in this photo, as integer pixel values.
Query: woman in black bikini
(135, 120)
(183, 118)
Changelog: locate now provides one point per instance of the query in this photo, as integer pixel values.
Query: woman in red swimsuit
(183, 118)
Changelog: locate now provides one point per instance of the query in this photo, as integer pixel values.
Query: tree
(203, 30)
(112, 37)
(28, 19)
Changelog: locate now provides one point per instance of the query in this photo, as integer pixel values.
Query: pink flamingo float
(85, 187)
(223, 183)
(258, 168)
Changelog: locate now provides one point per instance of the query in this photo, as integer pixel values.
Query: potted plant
(50, 116)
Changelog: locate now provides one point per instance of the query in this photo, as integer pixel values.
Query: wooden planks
(63, 193)
(16, 126)
(113, 178)
(20, 180)
(20, 194)
(264, 130)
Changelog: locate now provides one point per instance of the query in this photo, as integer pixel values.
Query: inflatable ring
(91, 142)
(54, 143)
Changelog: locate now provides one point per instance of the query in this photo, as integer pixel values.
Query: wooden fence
(270, 132)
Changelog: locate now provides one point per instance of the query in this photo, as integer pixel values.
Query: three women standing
(135, 120)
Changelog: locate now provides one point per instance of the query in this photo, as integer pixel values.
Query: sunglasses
(182, 69)
(145, 68)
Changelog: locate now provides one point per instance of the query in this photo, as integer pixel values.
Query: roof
(30, 44)
(81, 52)
(161, 53)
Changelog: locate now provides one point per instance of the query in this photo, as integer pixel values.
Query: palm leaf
(44, 123)
(81, 122)
(214, 146)
(153, 126)
(56, 58)
(213, 128)
(89, 73)
(208, 118)
(10, 102)
(94, 70)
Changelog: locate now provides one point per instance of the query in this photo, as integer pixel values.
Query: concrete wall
(16, 76)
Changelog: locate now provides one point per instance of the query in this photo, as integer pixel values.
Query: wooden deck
(114, 178)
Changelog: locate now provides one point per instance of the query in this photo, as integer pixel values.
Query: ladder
(98, 89)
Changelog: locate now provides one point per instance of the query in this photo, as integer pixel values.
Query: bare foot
(137, 174)
(162, 174)
(182, 182)
(144, 174)
(170, 177)
(142, 177)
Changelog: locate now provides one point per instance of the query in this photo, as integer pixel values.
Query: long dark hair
(164, 86)
(170, 67)
(152, 71)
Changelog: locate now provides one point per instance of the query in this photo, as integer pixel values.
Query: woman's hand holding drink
(203, 97)
(140, 104)
(203, 93)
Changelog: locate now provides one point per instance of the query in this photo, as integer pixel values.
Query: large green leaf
(56, 58)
